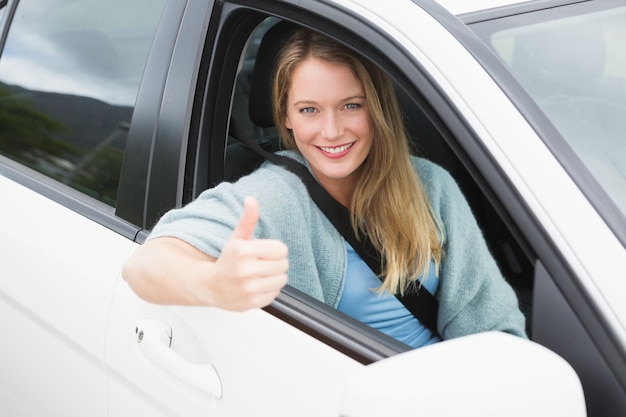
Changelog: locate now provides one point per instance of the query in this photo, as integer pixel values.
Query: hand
(249, 272)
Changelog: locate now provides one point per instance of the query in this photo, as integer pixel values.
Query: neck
(341, 189)
(339, 192)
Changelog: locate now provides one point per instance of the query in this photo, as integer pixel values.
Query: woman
(337, 114)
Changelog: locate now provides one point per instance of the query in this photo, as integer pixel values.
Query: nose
(331, 126)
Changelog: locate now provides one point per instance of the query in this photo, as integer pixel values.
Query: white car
(113, 112)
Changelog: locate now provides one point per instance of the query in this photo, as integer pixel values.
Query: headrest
(260, 101)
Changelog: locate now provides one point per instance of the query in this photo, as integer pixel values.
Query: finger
(255, 293)
(260, 269)
(248, 221)
(266, 288)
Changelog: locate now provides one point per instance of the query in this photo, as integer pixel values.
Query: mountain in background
(89, 121)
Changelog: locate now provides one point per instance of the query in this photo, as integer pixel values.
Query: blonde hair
(389, 204)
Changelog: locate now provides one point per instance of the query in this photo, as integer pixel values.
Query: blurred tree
(27, 133)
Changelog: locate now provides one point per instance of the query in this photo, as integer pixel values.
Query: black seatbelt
(419, 301)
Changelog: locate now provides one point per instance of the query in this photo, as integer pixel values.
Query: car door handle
(154, 339)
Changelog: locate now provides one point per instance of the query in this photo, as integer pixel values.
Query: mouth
(336, 150)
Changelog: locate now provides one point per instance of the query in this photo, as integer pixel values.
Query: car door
(296, 357)
(69, 75)
(205, 361)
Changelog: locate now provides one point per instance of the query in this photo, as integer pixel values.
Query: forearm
(165, 271)
(248, 274)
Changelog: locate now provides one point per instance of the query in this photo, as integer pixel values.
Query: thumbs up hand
(248, 221)
(249, 272)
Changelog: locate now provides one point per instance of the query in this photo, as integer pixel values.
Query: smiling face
(328, 115)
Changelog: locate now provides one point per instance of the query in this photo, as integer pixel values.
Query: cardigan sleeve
(473, 295)
(285, 213)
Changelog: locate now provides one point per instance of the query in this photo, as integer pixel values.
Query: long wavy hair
(389, 203)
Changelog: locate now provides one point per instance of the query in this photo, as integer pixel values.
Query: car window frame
(5, 8)
(204, 159)
(323, 320)
(140, 195)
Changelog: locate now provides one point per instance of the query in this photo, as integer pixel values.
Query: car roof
(458, 7)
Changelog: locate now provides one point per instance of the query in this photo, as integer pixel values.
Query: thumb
(248, 221)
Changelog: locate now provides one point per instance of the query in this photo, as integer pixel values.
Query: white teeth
(338, 149)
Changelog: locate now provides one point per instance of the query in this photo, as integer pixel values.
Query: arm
(249, 273)
(473, 295)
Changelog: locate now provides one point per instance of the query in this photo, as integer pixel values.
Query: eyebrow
(306, 101)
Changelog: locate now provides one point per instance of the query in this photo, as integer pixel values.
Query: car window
(574, 68)
(69, 76)
(253, 116)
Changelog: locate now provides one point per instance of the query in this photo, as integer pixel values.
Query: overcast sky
(95, 49)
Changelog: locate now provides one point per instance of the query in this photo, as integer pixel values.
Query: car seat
(257, 78)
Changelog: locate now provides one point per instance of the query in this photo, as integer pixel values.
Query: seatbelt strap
(419, 301)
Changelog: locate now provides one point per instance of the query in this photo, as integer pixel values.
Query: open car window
(253, 117)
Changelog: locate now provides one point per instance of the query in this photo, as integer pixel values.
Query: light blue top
(383, 311)
(473, 296)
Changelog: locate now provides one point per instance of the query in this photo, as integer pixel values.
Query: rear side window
(69, 77)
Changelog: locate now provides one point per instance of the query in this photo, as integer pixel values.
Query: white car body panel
(458, 7)
(280, 370)
(57, 279)
(458, 366)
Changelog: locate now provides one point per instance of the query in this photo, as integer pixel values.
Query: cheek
(302, 130)
(361, 127)
(369, 126)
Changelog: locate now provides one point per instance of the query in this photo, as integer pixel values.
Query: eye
(353, 106)
(307, 110)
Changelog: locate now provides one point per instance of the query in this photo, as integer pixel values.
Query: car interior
(251, 115)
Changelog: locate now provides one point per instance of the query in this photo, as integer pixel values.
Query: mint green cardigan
(473, 295)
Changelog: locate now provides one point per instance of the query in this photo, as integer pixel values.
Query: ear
(288, 122)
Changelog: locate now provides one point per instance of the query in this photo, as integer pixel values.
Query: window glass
(573, 64)
(69, 76)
